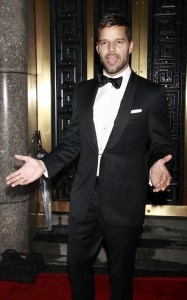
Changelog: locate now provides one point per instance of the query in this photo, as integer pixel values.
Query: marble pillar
(17, 75)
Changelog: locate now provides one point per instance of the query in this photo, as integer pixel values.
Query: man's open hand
(29, 172)
(159, 175)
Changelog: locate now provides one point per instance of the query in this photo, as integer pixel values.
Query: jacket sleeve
(161, 143)
(68, 149)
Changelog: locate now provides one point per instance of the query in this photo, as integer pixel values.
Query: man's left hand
(159, 175)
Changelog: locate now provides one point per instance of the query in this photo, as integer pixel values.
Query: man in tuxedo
(116, 116)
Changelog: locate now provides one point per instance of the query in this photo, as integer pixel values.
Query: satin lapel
(123, 113)
(90, 93)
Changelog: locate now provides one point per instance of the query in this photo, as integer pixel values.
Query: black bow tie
(116, 82)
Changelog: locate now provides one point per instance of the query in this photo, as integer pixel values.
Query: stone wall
(17, 69)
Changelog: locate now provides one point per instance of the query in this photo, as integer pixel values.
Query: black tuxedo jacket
(142, 120)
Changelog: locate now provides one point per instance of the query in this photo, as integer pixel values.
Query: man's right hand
(29, 172)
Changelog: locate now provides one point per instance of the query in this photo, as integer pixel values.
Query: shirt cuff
(45, 173)
(150, 183)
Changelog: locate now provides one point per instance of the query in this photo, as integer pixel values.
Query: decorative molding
(43, 72)
(150, 210)
(139, 37)
(166, 62)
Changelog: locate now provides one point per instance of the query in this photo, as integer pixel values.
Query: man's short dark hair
(113, 19)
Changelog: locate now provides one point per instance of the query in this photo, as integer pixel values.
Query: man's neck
(122, 73)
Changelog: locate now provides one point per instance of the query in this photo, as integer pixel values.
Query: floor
(155, 256)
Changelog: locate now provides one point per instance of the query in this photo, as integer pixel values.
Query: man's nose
(111, 46)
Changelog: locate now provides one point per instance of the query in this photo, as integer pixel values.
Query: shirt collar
(126, 75)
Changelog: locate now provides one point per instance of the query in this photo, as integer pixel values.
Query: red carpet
(57, 287)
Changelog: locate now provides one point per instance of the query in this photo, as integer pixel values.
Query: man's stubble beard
(116, 68)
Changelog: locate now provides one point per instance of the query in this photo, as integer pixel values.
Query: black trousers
(84, 241)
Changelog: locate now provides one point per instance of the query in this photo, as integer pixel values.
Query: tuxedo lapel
(90, 92)
(123, 113)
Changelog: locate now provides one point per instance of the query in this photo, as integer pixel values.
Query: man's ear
(97, 48)
(131, 47)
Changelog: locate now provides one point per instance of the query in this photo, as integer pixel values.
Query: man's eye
(103, 43)
(120, 42)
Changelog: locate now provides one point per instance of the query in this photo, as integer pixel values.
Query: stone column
(17, 75)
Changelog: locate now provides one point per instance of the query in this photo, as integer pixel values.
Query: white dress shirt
(105, 110)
